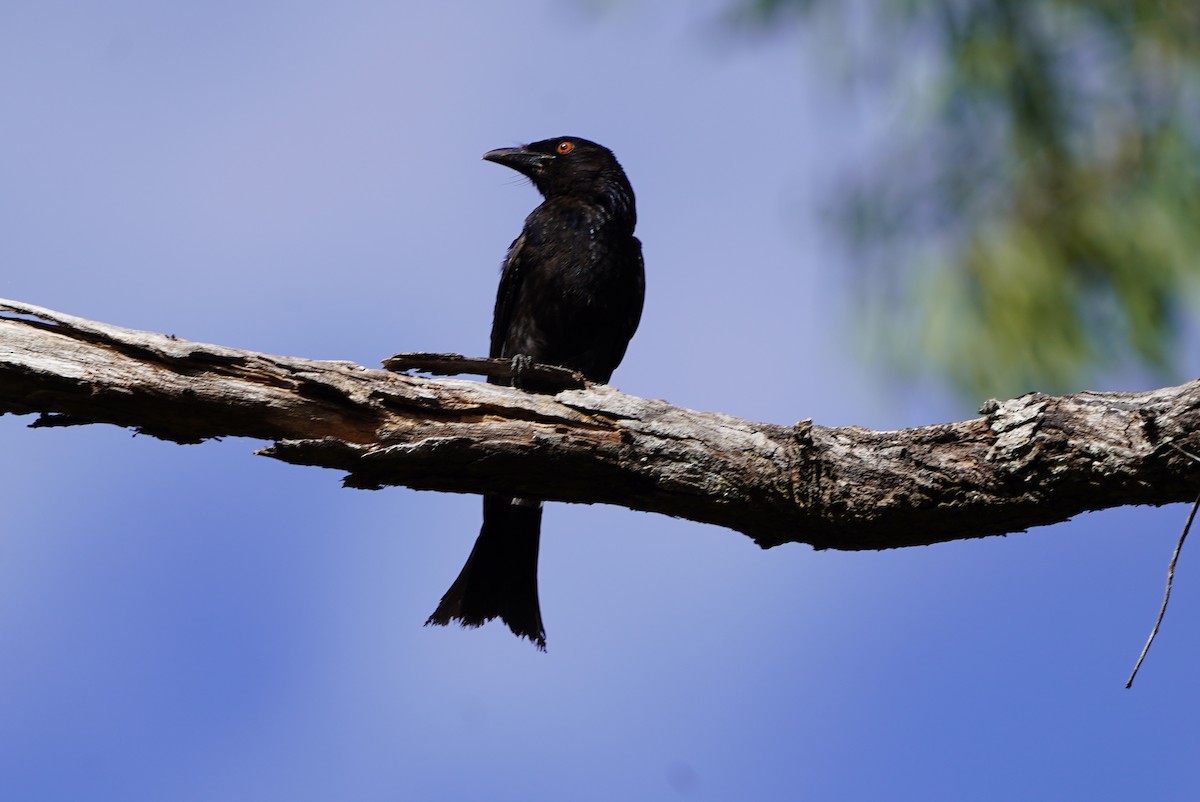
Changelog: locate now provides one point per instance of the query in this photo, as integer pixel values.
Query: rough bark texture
(1028, 461)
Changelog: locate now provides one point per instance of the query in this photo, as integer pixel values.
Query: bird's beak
(523, 161)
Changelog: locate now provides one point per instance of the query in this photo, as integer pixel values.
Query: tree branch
(1029, 461)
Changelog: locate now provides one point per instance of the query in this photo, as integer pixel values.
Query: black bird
(570, 294)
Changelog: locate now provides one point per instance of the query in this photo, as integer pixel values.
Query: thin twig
(503, 369)
(1170, 577)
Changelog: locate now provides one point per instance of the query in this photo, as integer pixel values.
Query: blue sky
(198, 623)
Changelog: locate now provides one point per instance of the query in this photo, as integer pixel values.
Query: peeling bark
(1028, 461)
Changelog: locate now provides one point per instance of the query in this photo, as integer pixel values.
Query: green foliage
(1038, 220)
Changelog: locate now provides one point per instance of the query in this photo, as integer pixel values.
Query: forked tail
(499, 579)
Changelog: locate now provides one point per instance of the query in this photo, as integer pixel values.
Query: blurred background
(868, 214)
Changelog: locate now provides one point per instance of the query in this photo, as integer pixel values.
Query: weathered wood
(1028, 461)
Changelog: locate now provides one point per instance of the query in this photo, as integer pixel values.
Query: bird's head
(566, 165)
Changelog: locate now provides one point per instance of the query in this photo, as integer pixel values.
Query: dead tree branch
(1029, 461)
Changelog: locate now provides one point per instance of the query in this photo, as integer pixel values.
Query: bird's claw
(520, 364)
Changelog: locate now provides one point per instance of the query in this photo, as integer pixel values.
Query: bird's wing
(511, 276)
(635, 309)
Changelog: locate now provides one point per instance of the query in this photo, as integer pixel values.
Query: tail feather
(499, 579)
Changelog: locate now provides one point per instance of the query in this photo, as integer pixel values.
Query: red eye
(566, 146)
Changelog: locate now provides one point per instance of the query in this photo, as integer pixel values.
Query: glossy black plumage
(570, 294)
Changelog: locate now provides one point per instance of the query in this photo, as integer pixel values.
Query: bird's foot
(520, 364)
